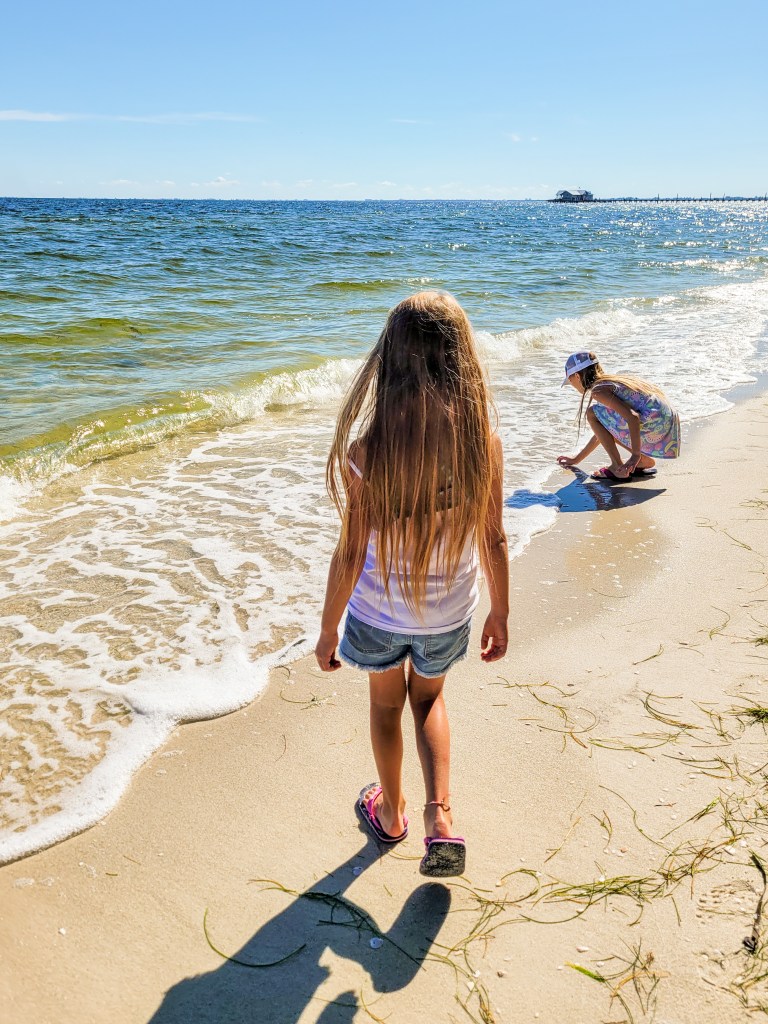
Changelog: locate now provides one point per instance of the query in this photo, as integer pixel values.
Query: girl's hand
(632, 463)
(325, 651)
(494, 641)
(567, 460)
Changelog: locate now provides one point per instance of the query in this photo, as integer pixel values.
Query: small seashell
(376, 942)
(475, 974)
(22, 883)
(582, 949)
(62, 931)
(501, 974)
(470, 985)
(357, 870)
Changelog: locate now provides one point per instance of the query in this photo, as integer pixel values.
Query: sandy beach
(608, 777)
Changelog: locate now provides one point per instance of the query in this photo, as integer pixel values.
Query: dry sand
(606, 828)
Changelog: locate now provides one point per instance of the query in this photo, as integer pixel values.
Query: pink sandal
(606, 473)
(371, 818)
(445, 857)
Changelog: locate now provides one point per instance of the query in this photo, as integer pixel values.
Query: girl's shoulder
(356, 457)
(615, 387)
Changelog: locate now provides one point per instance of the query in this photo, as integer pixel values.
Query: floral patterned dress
(659, 423)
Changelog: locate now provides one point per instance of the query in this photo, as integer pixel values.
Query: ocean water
(169, 377)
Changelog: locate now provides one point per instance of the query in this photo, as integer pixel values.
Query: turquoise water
(124, 321)
(169, 377)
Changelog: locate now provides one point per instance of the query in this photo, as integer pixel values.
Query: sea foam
(160, 587)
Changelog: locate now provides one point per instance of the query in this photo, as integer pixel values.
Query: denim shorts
(377, 650)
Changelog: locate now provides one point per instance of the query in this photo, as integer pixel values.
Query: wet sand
(608, 777)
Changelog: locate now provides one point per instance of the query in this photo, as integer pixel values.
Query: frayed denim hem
(445, 671)
(376, 669)
(370, 668)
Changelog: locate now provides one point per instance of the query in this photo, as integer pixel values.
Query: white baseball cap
(574, 363)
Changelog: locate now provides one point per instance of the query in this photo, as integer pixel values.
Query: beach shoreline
(655, 591)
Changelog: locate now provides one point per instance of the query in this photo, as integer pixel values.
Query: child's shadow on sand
(233, 994)
(583, 494)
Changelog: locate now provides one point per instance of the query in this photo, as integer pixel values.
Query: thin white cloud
(222, 181)
(387, 184)
(33, 115)
(512, 137)
(176, 118)
(179, 118)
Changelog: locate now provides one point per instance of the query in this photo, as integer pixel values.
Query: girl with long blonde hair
(623, 411)
(415, 472)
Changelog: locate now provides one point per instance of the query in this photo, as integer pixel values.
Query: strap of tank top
(355, 468)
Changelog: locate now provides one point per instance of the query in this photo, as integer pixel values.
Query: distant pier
(685, 199)
(665, 199)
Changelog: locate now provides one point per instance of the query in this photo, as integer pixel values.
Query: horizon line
(720, 197)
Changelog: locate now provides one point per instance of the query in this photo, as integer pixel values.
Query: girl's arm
(589, 447)
(494, 559)
(343, 574)
(605, 396)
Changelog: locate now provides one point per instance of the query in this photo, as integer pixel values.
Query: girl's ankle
(438, 819)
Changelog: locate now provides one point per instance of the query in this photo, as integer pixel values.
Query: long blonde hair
(594, 376)
(423, 406)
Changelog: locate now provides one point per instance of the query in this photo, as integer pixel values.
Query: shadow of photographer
(285, 955)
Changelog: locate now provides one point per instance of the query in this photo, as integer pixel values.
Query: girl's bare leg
(608, 441)
(646, 462)
(387, 693)
(433, 742)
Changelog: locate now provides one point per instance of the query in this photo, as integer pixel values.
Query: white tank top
(445, 608)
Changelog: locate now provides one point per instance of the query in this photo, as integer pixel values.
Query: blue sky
(400, 100)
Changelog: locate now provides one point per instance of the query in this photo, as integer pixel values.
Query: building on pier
(579, 195)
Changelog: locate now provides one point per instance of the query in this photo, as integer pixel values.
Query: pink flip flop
(605, 473)
(444, 857)
(371, 818)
